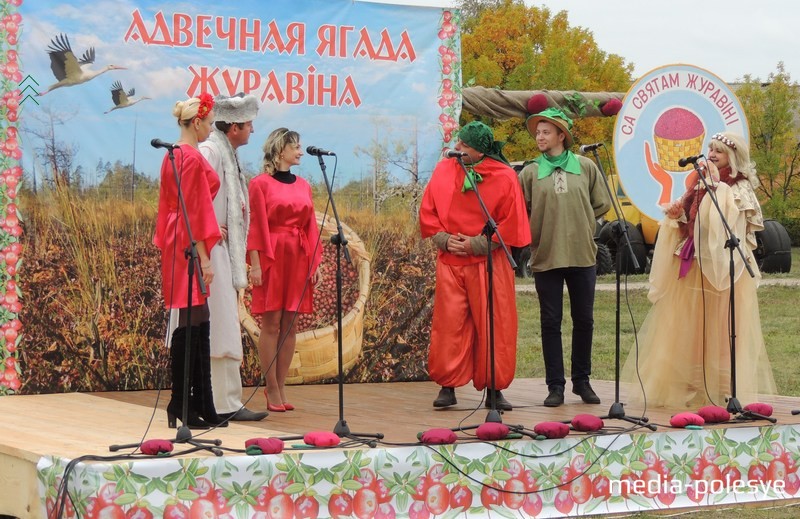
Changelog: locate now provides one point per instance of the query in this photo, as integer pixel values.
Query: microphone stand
(734, 407)
(184, 434)
(488, 230)
(617, 410)
(341, 428)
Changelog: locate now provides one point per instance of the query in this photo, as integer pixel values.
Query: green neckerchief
(567, 161)
(471, 177)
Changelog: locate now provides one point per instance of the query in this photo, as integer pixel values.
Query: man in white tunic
(233, 126)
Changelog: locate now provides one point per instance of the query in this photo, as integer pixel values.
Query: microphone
(158, 143)
(313, 150)
(451, 154)
(586, 148)
(689, 160)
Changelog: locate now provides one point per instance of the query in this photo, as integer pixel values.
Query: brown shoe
(446, 398)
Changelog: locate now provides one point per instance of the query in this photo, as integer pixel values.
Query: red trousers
(459, 350)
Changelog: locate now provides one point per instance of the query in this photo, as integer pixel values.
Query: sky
(383, 99)
(652, 34)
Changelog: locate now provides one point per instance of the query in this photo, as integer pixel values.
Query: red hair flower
(206, 105)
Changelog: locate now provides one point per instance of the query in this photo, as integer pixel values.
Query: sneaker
(585, 391)
(446, 398)
(555, 398)
(500, 401)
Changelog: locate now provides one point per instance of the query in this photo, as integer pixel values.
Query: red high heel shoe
(288, 406)
(273, 408)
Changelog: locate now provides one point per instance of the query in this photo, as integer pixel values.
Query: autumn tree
(771, 109)
(511, 46)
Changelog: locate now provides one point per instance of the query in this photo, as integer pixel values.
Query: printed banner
(360, 79)
(669, 114)
(85, 89)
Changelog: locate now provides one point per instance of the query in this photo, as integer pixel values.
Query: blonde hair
(185, 111)
(274, 145)
(738, 155)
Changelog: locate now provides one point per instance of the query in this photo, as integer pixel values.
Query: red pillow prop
(490, 431)
(611, 107)
(759, 408)
(255, 446)
(686, 418)
(552, 430)
(714, 414)
(438, 437)
(587, 423)
(321, 439)
(157, 447)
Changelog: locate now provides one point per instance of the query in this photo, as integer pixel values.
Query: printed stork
(121, 98)
(66, 67)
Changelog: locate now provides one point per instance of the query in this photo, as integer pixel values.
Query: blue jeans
(550, 289)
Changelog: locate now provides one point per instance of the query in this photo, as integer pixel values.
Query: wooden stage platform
(39, 430)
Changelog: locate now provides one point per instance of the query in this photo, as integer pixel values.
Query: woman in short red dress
(284, 252)
(198, 183)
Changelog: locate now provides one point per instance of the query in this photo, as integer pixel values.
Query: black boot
(501, 404)
(177, 354)
(446, 398)
(202, 398)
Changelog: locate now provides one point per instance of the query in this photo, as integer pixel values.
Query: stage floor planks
(75, 424)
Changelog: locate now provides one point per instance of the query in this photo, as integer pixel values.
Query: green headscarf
(480, 137)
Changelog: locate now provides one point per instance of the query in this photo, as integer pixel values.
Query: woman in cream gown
(685, 342)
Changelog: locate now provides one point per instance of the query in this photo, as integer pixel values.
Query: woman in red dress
(284, 253)
(198, 182)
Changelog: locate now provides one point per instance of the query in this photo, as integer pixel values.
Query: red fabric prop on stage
(321, 439)
(257, 446)
(714, 414)
(438, 437)
(759, 408)
(490, 431)
(686, 418)
(156, 447)
(587, 423)
(552, 430)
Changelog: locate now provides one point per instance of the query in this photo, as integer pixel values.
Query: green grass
(779, 323)
(611, 278)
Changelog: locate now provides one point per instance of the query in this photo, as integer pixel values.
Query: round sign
(668, 115)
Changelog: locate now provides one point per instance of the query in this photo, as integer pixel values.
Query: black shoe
(501, 404)
(555, 398)
(585, 391)
(446, 398)
(246, 415)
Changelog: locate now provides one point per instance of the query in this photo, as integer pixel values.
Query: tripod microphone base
(493, 416)
(617, 412)
(735, 408)
(342, 430)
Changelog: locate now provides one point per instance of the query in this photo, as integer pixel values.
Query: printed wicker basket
(670, 151)
(316, 353)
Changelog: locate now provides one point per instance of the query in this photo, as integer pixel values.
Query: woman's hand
(223, 230)
(208, 272)
(316, 278)
(255, 276)
(674, 210)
